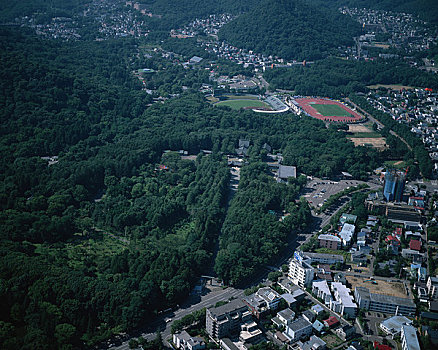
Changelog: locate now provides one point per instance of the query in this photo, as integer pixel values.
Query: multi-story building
(409, 338)
(393, 325)
(394, 186)
(322, 291)
(343, 303)
(383, 303)
(300, 271)
(347, 233)
(225, 320)
(329, 241)
(324, 258)
(432, 287)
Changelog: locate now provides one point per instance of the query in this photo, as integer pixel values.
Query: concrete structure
(413, 255)
(300, 271)
(292, 289)
(345, 332)
(286, 171)
(225, 320)
(330, 259)
(343, 303)
(348, 218)
(432, 287)
(314, 343)
(298, 329)
(329, 241)
(409, 338)
(185, 342)
(322, 291)
(393, 325)
(347, 233)
(271, 297)
(383, 303)
(250, 333)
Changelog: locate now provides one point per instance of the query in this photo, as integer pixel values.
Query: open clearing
(358, 128)
(395, 289)
(238, 104)
(330, 110)
(376, 142)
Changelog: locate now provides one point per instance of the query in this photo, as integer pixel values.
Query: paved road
(194, 303)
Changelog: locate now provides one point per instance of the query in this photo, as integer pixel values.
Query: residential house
(298, 329)
(331, 322)
(345, 332)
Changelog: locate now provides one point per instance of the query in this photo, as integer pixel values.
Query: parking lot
(318, 191)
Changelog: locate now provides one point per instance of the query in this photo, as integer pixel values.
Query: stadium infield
(328, 110)
(244, 103)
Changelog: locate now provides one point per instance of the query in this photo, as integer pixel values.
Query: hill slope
(290, 29)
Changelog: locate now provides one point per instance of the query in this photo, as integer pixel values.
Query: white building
(185, 342)
(393, 325)
(409, 338)
(347, 233)
(432, 287)
(300, 271)
(322, 291)
(344, 303)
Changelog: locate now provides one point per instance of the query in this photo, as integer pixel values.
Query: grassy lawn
(331, 110)
(238, 104)
(398, 164)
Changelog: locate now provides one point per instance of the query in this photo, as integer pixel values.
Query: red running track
(306, 104)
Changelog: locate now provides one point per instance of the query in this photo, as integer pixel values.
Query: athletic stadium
(326, 110)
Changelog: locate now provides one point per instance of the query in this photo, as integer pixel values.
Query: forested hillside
(291, 29)
(114, 229)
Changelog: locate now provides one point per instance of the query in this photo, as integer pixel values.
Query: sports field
(331, 110)
(249, 104)
(327, 110)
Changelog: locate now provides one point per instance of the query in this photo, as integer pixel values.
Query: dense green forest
(335, 77)
(291, 29)
(252, 233)
(116, 229)
(118, 226)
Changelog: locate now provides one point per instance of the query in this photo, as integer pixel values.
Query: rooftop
(299, 324)
(285, 171)
(230, 307)
(411, 339)
(329, 238)
(395, 323)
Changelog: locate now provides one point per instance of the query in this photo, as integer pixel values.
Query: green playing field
(237, 104)
(331, 110)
